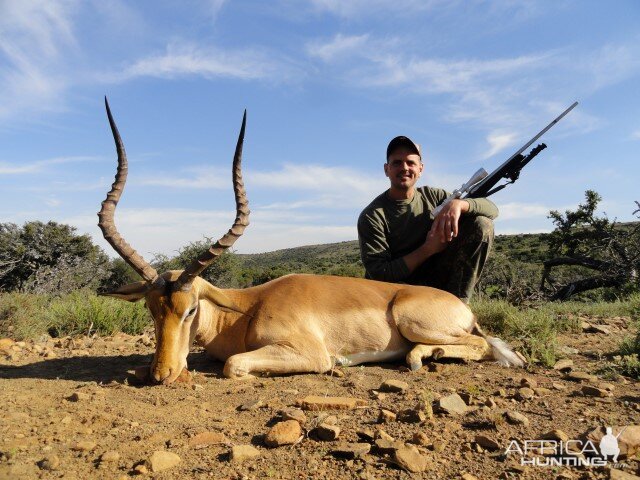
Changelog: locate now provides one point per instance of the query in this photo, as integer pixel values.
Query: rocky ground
(71, 408)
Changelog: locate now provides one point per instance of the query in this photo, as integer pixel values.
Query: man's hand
(434, 243)
(445, 225)
(443, 230)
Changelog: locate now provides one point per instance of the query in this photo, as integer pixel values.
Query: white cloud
(32, 37)
(155, 230)
(200, 178)
(498, 142)
(611, 64)
(185, 59)
(494, 11)
(515, 210)
(41, 165)
(495, 94)
(213, 7)
(326, 187)
(315, 177)
(340, 45)
(52, 202)
(635, 135)
(362, 8)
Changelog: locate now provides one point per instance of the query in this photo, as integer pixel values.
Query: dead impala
(296, 323)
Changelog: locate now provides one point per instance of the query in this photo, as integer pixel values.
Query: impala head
(173, 298)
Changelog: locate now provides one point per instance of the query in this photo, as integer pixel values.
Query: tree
(48, 258)
(223, 272)
(598, 252)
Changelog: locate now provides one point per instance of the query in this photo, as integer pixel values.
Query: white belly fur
(369, 357)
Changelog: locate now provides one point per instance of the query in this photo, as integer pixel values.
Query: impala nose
(162, 374)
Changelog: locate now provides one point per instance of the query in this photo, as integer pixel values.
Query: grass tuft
(533, 331)
(24, 316)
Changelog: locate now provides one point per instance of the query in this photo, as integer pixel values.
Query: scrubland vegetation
(50, 278)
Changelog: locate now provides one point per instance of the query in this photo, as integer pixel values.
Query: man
(400, 242)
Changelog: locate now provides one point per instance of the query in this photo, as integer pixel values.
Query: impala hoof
(415, 366)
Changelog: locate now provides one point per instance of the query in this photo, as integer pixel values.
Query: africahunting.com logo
(567, 453)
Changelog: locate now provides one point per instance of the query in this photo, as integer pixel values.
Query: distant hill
(344, 257)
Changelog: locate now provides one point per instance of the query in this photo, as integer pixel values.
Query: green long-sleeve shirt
(390, 229)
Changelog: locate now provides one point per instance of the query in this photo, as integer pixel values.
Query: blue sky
(327, 83)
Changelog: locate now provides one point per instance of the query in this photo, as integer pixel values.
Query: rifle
(481, 183)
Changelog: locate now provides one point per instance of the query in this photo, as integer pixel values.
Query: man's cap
(403, 142)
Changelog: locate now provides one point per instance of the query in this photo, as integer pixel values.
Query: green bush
(25, 316)
(83, 312)
(21, 315)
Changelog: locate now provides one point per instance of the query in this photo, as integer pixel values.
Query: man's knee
(477, 228)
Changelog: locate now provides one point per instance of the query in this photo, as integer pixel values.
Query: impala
(296, 323)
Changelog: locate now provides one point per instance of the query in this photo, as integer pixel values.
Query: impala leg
(278, 359)
(468, 347)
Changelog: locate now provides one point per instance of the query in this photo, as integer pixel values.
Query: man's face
(403, 169)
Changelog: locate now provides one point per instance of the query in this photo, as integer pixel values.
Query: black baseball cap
(403, 142)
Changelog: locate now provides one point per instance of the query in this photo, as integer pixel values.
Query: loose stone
(161, 461)
(516, 418)
(327, 432)
(558, 435)
(542, 392)
(294, 414)
(564, 364)
(317, 403)
(366, 435)
(394, 386)
(524, 394)
(581, 377)
(205, 439)
(386, 416)
(351, 451)
(50, 462)
(78, 397)
(185, 377)
(110, 456)
(411, 416)
(421, 438)
(6, 344)
(409, 459)
(140, 469)
(251, 405)
(452, 404)
(487, 442)
(528, 382)
(615, 474)
(590, 391)
(283, 433)
(84, 446)
(384, 445)
(240, 453)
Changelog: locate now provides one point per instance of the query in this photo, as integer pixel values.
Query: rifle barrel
(495, 176)
(542, 132)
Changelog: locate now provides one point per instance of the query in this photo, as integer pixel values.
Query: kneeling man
(401, 242)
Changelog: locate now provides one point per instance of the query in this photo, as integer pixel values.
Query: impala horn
(106, 223)
(205, 259)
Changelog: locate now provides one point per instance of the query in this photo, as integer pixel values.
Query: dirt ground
(67, 402)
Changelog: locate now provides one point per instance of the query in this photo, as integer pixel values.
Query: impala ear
(131, 292)
(219, 298)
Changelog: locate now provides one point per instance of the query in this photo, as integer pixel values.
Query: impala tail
(500, 350)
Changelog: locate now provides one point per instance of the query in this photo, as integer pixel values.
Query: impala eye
(192, 311)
